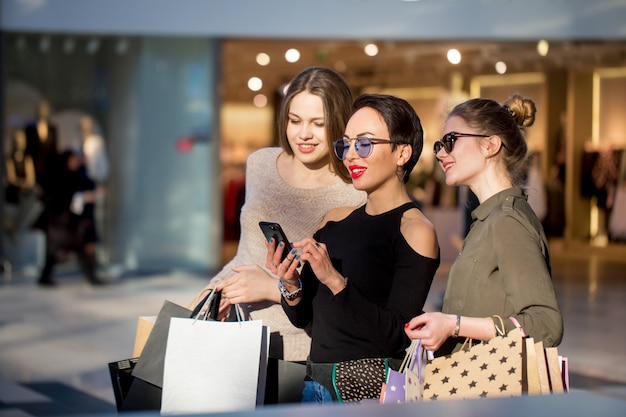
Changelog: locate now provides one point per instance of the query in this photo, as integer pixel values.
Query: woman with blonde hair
(503, 268)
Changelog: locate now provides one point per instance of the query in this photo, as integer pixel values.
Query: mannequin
(41, 144)
(21, 189)
(93, 148)
(20, 169)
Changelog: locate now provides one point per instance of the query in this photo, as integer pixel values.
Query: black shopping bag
(132, 394)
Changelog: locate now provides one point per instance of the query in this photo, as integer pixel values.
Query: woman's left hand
(287, 269)
(250, 284)
(316, 254)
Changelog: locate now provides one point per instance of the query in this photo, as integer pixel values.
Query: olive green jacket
(504, 269)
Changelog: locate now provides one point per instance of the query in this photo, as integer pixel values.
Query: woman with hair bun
(503, 268)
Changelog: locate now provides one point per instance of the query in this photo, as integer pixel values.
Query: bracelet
(290, 281)
(290, 295)
(457, 327)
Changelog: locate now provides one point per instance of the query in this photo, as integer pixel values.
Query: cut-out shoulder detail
(420, 233)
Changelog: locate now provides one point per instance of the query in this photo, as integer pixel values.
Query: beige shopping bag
(554, 370)
(144, 328)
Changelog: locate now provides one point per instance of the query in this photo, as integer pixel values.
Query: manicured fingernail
(297, 257)
(293, 251)
(271, 240)
(280, 244)
(406, 326)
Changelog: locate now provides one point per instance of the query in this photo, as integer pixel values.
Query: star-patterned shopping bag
(486, 370)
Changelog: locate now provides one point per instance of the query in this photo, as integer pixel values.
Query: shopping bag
(121, 379)
(145, 324)
(149, 366)
(565, 372)
(505, 366)
(137, 381)
(213, 366)
(485, 370)
(542, 368)
(405, 384)
(359, 379)
(285, 381)
(132, 394)
(553, 363)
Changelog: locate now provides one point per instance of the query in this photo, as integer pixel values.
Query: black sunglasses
(447, 141)
(363, 146)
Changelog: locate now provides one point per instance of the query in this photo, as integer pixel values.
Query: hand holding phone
(273, 230)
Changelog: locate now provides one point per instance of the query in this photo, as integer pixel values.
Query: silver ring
(275, 265)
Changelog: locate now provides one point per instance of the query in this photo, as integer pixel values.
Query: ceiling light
(255, 84)
(500, 67)
(292, 55)
(371, 49)
(543, 47)
(454, 56)
(260, 100)
(263, 59)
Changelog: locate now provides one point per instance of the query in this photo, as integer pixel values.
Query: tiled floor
(55, 343)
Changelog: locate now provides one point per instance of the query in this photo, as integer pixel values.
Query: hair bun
(522, 109)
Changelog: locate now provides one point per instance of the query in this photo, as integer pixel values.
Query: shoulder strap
(407, 206)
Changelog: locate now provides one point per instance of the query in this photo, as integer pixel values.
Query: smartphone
(273, 230)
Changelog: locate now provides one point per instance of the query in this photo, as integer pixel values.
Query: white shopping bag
(213, 366)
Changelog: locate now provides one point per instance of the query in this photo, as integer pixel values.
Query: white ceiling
(325, 19)
(413, 36)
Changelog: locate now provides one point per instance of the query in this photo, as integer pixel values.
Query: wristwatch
(290, 295)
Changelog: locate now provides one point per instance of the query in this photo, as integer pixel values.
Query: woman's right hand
(432, 328)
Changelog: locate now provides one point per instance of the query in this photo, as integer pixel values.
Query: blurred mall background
(182, 92)
(171, 90)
